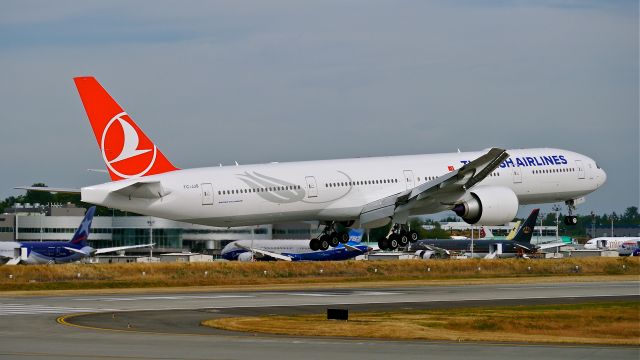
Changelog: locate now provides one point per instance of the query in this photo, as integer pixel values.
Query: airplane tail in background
(525, 232)
(82, 234)
(355, 235)
(513, 231)
(126, 150)
(486, 233)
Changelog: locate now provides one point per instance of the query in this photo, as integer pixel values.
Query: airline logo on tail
(82, 233)
(122, 151)
(126, 150)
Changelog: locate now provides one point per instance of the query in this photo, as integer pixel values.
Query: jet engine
(245, 256)
(488, 205)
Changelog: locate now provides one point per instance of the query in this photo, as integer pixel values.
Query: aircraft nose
(604, 176)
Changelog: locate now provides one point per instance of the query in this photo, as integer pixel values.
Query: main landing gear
(399, 237)
(332, 235)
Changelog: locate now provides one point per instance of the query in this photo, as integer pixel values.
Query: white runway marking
(23, 309)
(178, 297)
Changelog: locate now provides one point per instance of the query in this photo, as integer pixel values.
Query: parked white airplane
(611, 243)
(483, 187)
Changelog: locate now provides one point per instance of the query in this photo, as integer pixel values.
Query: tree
(631, 216)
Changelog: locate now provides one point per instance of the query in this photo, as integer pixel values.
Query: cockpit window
(597, 166)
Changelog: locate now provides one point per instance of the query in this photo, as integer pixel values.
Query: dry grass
(616, 323)
(145, 275)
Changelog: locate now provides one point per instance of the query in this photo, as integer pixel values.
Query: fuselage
(48, 252)
(479, 248)
(337, 190)
(297, 250)
(612, 243)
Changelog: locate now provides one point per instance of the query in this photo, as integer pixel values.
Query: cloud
(216, 82)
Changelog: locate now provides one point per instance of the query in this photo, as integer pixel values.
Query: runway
(165, 326)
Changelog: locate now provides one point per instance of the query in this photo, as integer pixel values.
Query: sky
(259, 81)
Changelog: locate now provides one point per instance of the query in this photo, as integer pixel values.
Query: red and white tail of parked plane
(483, 187)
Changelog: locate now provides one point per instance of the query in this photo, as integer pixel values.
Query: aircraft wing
(435, 248)
(438, 190)
(351, 248)
(550, 245)
(266, 253)
(119, 248)
(522, 246)
(77, 251)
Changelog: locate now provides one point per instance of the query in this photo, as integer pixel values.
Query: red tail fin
(126, 150)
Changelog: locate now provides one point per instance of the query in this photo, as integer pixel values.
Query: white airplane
(483, 187)
(611, 243)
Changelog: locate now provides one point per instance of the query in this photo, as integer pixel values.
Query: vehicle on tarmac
(483, 187)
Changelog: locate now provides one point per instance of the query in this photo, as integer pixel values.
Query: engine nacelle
(245, 256)
(488, 205)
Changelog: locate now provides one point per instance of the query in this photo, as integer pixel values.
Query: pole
(472, 226)
(40, 225)
(150, 222)
(611, 217)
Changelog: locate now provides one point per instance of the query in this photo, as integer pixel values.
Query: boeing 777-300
(482, 187)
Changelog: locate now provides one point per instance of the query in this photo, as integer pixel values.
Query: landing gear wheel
(570, 220)
(413, 236)
(393, 242)
(314, 244)
(383, 244)
(403, 239)
(324, 244)
(344, 237)
(334, 240)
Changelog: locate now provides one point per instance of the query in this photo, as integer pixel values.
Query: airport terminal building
(33, 222)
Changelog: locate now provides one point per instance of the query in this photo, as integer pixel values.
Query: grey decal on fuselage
(259, 181)
(288, 194)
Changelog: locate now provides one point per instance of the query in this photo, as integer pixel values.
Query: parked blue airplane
(56, 252)
(293, 250)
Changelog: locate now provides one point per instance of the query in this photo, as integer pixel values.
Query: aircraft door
(517, 175)
(207, 194)
(580, 168)
(408, 178)
(312, 187)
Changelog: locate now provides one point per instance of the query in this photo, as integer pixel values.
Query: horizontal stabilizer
(144, 190)
(49, 189)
